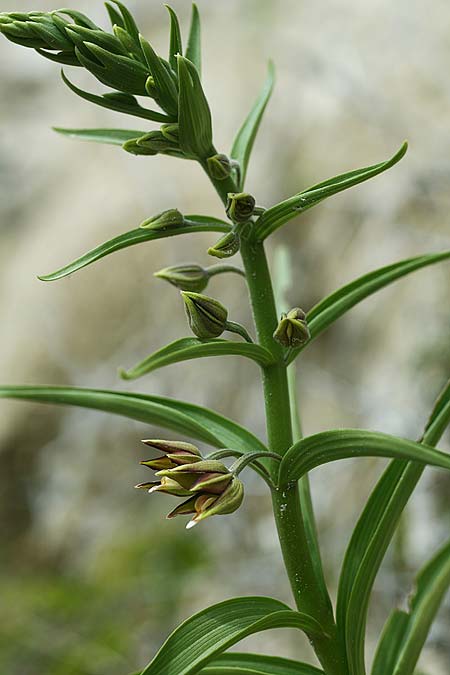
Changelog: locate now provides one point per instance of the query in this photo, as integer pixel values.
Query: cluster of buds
(208, 487)
(292, 331)
(125, 61)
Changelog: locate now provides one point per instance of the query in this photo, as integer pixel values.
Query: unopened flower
(207, 317)
(240, 206)
(227, 246)
(206, 505)
(176, 453)
(185, 277)
(167, 219)
(292, 331)
(219, 166)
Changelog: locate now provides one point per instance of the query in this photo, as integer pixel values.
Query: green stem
(222, 269)
(286, 503)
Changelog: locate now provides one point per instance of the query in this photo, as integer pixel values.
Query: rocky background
(91, 577)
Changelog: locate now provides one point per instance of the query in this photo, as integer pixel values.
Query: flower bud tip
(191, 524)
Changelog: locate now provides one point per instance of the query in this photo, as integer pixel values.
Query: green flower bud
(227, 246)
(171, 218)
(133, 148)
(185, 277)
(156, 142)
(206, 475)
(207, 317)
(36, 30)
(292, 331)
(240, 206)
(219, 166)
(166, 485)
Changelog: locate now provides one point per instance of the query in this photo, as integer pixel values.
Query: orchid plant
(211, 485)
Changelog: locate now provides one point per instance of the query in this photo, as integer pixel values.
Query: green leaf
(192, 348)
(388, 646)
(331, 308)
(194, 49)
(138, 236)
(257, 664)
(194, 115)
(109, 136)
(210, 632)
(167, 96)
(176, 45)
(186, 418)
(119, 102)
(116, 71)
(128, 22)
(329, 446)
(372, 535)
(281, 213)
(431, 586)
(243, 143)
(114, 16)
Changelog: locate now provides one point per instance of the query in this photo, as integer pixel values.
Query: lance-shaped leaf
(329, 446)
(137, 236)
(192, 348)
(372, 535)
(410, 630)
(331, 308)
(186, 418)
(194, 115)
(387, 648)
(108, 136)
(243, 143)
(176, 45)
(212, 631)
(281, 213)
(119, 102)
(257, 664)
(194, 49)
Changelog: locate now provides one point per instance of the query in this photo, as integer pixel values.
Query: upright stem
(289, 520)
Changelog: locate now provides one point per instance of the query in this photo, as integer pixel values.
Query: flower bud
(219, 166)
(133, 148)
(207, 317)
(206, 476)
(176, 454)
(171, 132)
(292, 331)
(185, 277)
(227, 246)
(171, 218)
(165, 485)
(240, 206)
(157, 143)
(205, 506)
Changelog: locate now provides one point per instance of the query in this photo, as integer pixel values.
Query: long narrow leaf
(192, 348)
(195, 421)
(372, 536)
(212, 631)
(109, 136)
(389, 644)
(329, 446)
(137, 236)
(331, 308)
(194, 48)
(281, 213)
(243, 143)
(176, 46)
(431, 586)
(194, 114)
(119, 102)
(257, 664)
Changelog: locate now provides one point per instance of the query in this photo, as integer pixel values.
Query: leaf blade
(329, 446)
(176, 45)
(332, 307)
(108, 136)
(192, 348)
(131, 238)
(290, 208)
(257, 664)
(208, 633)
(194, 49)
(187, 418)
(245, 138)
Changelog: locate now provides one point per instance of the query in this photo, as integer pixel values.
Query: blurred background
(92, 578)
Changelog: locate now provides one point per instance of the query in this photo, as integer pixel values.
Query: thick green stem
(291, 528)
